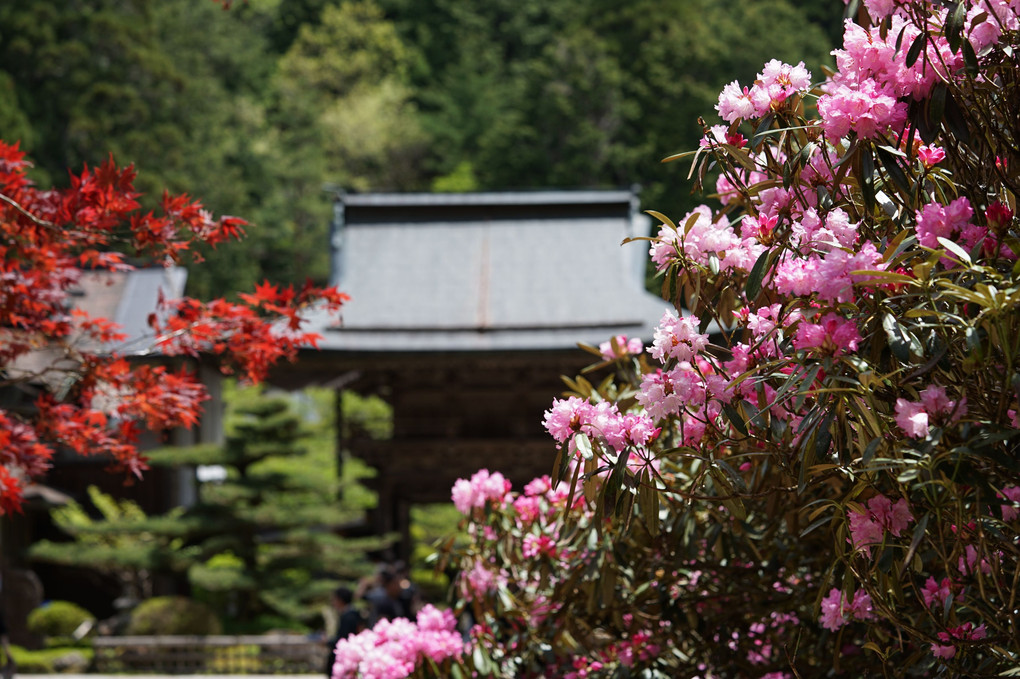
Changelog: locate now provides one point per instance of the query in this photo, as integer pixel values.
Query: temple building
(465, 311)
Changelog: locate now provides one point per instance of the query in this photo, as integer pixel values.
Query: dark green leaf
(956, 121)
(892, 166)
(915, 541)
(915, 48)
(869, 452)
(936, 108)
(755, 277)
(954, 25)
(762, 129)
(806, 385)
(735, 419)
(970, 59)
(867, 178)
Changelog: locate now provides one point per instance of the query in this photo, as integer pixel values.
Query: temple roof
(488, 271)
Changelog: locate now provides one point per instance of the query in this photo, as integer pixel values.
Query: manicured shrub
(58, 619)
(173, 615)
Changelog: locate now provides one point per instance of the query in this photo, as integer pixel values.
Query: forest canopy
(258, 109)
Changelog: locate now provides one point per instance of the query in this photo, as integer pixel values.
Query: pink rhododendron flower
(734, 103)
(1011, 493)
(869, 525)
(937, 593)
(911, 418)
(915, 418)
(936, 221)
(720, 134)
(833, 335)
(393, 648)
(625, 347)
(565, 417)
(966, 632)
(836, 611)
(678, 338)
(969, 562)
(535, 545)
(930, 156)
(776, 83)
(481, 488)
(867, 110)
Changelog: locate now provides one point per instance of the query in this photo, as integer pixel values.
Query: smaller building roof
(538, 270)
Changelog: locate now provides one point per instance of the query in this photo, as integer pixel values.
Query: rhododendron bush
(87, 396)
(813, 470)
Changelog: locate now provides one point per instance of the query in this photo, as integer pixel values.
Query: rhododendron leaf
(735, 419)
(679, 156)
(757, 274)
(892, 166)
(867, 178)
(970, 60)
(869, 452)
(583, 444)
(662, 218)
(740, 155)
(901, 342)
(915, 542)
(648, 503)
(936, 107)
(954, 25)
(481, 660)
(761, 130)
(806, 385)
(915, 48)
(691, 221)
(956, 121)
(954, 248)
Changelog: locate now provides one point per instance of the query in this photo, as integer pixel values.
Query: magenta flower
(833, 335)
(937, 593)
(481, 488)
(936, 221)
(1011, 493)
(625, 347)
(837, 611)
(869, 525)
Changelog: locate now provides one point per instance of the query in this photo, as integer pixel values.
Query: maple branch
(13, 203)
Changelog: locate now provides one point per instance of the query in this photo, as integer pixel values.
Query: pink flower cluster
(964, 632)
(936, 221)
(866, 94)
(837, 611)
(623, 348)
(833, 335)
(600, 421)
(830, 276)
(776, 84)
(481, 488)
(916, 417)
(393, 648)
(1011, 493)
(678, 338)
(937, 594)
(704, 240)
(868, 526)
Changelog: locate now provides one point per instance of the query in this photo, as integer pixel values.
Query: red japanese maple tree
(92, 400)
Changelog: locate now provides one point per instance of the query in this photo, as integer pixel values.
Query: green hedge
(173, 615)
(58, 620)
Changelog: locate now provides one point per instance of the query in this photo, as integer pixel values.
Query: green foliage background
(255, 109)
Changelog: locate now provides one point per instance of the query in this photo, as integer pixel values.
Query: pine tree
(266, 532)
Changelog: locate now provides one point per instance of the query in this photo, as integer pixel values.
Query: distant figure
(349, 622)
(384, 598)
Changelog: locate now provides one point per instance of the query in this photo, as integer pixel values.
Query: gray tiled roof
(497, 271)
(127, 298)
